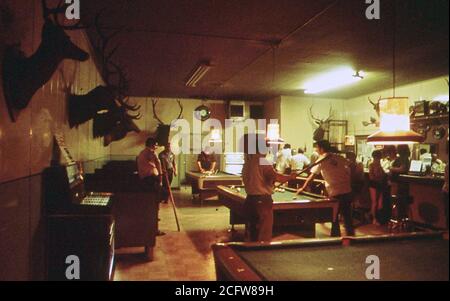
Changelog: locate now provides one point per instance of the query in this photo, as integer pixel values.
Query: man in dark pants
(169, 169)
(259, 178)
(335, 171)
(149, 169)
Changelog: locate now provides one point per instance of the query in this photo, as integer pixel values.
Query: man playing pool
(335, 171)
(259, 178)
(206, 161)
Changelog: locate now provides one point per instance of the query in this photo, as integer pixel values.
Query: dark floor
(186, 255)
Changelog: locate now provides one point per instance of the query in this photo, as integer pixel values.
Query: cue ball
(294, 197)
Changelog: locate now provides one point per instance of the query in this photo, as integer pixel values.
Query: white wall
(358, 109)
(296, 125)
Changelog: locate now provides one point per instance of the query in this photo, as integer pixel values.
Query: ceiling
(264, 48)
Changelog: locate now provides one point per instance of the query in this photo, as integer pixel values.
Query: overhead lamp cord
(394, 34)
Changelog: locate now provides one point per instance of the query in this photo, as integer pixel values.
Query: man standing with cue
(335, 171)
(259, 179)
(169, 169)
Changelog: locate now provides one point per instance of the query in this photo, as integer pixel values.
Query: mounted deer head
(163, 130)
(319, 132)
(376, 108)
(106, 104)
(23, 76)
(82, 108)
(116, 122)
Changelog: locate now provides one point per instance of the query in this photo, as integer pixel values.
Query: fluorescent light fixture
(332, 80)
(198, 74)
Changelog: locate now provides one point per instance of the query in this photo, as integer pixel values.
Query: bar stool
(400, 221)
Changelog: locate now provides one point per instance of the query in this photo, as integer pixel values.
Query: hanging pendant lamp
(394, 114)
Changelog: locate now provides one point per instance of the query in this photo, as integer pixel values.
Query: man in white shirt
(335, 170)
(299, 161)
(283, 158)
(259, 178)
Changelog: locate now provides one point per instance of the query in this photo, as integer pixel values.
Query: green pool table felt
(404, 260)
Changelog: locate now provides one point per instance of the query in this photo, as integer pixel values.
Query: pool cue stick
(171, 199)
(306, 169)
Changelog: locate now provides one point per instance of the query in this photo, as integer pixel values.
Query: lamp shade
(394, 124)
(273, 134)
(215, 136)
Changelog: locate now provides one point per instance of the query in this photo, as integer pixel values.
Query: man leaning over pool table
(259, 178)
(206, 161)
(335, 170)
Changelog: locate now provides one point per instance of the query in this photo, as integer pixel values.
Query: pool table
(406, 257)
(205, 185)
(301, 213)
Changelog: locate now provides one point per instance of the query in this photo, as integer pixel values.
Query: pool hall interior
(219, 140)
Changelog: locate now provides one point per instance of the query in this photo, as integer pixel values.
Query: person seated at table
(259, 177)
(335, 170)
(206, 161)
(377, 181)
(299, 161)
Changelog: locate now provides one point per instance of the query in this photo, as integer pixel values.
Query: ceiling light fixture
(273, 134)
(334, 79)
(216, 136)
(394, 124)
(198, 74)
(394, 113)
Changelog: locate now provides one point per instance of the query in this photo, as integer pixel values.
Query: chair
(400, 221)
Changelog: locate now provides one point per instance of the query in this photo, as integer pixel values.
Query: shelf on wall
(429, 118)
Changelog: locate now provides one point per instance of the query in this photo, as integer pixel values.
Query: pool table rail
(205, 185)
(231, 266)
(301, 214)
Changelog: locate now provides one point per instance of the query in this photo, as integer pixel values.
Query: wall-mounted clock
(202, 113)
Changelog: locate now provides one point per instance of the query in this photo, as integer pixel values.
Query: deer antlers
(154, 102)
(321, 121)
(376, 105)
(120, 89)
